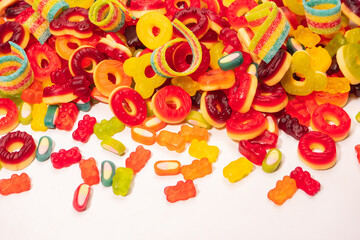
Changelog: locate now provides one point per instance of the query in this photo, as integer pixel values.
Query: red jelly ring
(128, 105)
(17, 160)
(14, 32)
(215, 108)
(82, 54)
(11, 119)
(270, 99)
(183, 52)
(43, 60)
(314, 159)
(328, 112)
(244, 126)
(201, 23)
(172, 5)
(236, 13)
(171, 104)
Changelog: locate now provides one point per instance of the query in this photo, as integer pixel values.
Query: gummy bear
(292, 126)
(38, 116)
(137, 160)
(89, 171)
(107, 128)
(122, 181)
(16, 184)
(304, 181)
(297, 109)
(283, 191)
(200, 149)
(181, 191)
(85, 129)
(237, 170)
(195, 132)
(65, 158)
(66, 119)
(306, 37)
(173, 141)
(197, 169)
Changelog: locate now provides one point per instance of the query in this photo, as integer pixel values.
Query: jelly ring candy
(15, 32)
(5, 5)
(270, 99)
(16, 73)
(172, 6)
(183, 52)
(65, 45)
(15, 9)
(107, 68)
(50, 9)
(231, 61)
(145, 27)
(128, 105)
(143, 135)
(11, 118)
(271, 73)
(35, 23)
(351, 10)
(114, 47)
(323, 159)
(324, 16)
(300, 66)
(81, 53)
(242, 93)
(238, 169)
(243, 126)
(17, 150)
(44, 148)
(144, 77)
(107, 15)
(272, 161)
(139, 8)
(272, 28)
(236, 11)
(216, 79)
(158, 56)
(167, 168)
(107, 173)
(73, 21)
(43, 60)
(347, 58)
(215, 108)
(81, 197)
(171, 104)
(327, 112)
(200, 22)
(25, 116)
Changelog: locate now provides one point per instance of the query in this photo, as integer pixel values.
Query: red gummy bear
(137, 160)
(357, 150)
(16, 184)
(254, 152)
(65, 158)
(297, 109)
(85, 129)
(89, 171)
(181, 191)
(67, 116)
(304, 181)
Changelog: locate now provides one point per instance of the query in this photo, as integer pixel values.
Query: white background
(221, 210)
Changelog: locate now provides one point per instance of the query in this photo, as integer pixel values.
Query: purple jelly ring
(309, 7)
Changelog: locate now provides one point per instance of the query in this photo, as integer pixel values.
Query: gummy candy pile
(252, 68)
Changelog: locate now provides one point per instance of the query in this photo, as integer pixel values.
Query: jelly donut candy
(272, 28)
(236, 11)
(73, 21)
(323, 159)
(15, 9)
(144, 77)
(17, 150)
(11, 118)
(171, 104)
(108, 68)
(79, 55)
(270, 99)
(44, 148)
(145, 30)
(43, 60)
(271, 73)
(15, 71)
(351, 9)
(14, 32)
(242, 93)
(327, 112)
(50, 9)
(323, 17)
(347, 58)
(81, 197)
(216, 79)
(35, 23)
(215, 108)
(201, 23)
(301, 67)
(172, 6)
(128, 105)
(243, 126)
(231, 61)
(107, 15)
(140, 7)
(113, 47)
(5, 4)
(65, 45)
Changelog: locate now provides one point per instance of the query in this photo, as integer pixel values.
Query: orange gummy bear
(283, 191)
(196, 132)
(16, 184)
(197, 169)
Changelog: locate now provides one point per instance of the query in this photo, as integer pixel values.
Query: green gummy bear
(122, 181)
(106, 128)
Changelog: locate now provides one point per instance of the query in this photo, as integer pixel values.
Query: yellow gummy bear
(320, 59)
(306, 37)
(38, 116)
(200, 149)
(238, 169)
